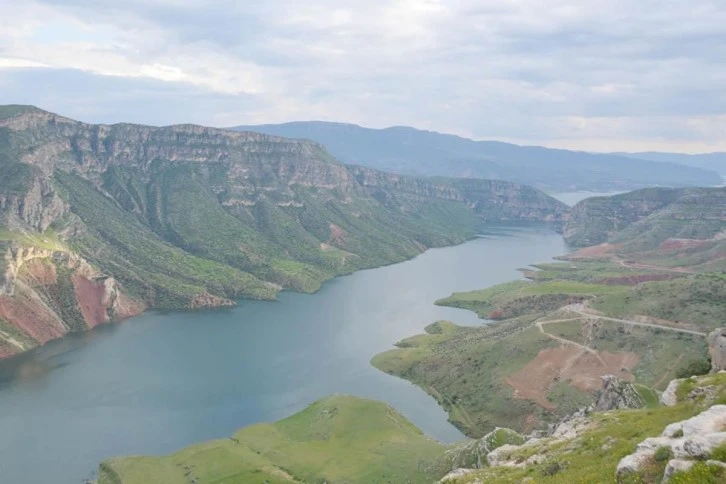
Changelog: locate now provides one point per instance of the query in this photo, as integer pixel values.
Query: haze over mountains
(406, 150)
(708, 161)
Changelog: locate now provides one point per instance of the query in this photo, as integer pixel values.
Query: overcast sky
(585, 74)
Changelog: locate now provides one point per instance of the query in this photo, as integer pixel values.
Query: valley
(99, 223)
(165, 380)
(104, 223)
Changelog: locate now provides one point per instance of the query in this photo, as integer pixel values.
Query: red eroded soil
(568, 363)
(39, 273)
(90, 297)
(31, 317)
(675, 244)
(594, 251)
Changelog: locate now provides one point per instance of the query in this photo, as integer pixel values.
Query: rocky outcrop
(689, 440)
(717, 349)
(676, 465)
(455, 475)
(35, 208)
(15, 258)
(617, 394)
(206, 300)
(669, 397)
(475, 453)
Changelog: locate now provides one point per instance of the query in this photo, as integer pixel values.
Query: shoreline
(552, 226)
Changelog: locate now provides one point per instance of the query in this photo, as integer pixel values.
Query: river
(161, 381)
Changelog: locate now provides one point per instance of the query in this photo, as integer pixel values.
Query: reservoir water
(161, 381)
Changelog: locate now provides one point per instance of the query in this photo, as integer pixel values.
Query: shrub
(554, 468)
(663, 454)
(694, 367)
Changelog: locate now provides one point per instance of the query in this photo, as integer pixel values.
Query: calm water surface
(571, 198)
(161, 381)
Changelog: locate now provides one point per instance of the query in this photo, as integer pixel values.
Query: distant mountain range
(708, 161)
(411, 151)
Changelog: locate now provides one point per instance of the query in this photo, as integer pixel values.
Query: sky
(616, 75)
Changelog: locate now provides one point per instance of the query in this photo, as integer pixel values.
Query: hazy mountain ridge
(114, 219)
(411, 151)
(708, 161)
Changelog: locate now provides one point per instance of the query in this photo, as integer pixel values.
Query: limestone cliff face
(643, 219)
(594, 220)
(187, 217)
(35, 208)
(490, 199)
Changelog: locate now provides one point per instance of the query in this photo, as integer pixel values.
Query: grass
(649, 396)
(464, 369)
(517, 298)
(594, 454)
(172, 238)
(337, 439)
(698, 301)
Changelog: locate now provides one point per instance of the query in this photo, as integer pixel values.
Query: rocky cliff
(99, 222)
(661, 226)
(647, 217)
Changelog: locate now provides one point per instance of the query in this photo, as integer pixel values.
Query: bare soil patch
(39, 273)
(568, 363)
(594, 252)
(31, 317)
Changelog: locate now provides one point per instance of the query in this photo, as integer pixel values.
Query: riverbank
(166, 380)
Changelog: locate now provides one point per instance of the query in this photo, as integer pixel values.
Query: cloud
(593, 74)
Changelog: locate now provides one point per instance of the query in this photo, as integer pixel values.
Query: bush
(554, 468)
(694, 367)
(663, 454)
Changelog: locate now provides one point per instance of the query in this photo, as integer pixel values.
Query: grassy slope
(147, 266)
(698, 301)
(593, 456)
(170, 238)
(525, 296)
(338, 439)
(465, 368)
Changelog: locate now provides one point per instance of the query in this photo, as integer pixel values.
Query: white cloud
(538, 71)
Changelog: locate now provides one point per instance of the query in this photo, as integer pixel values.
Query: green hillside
(337, 439)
